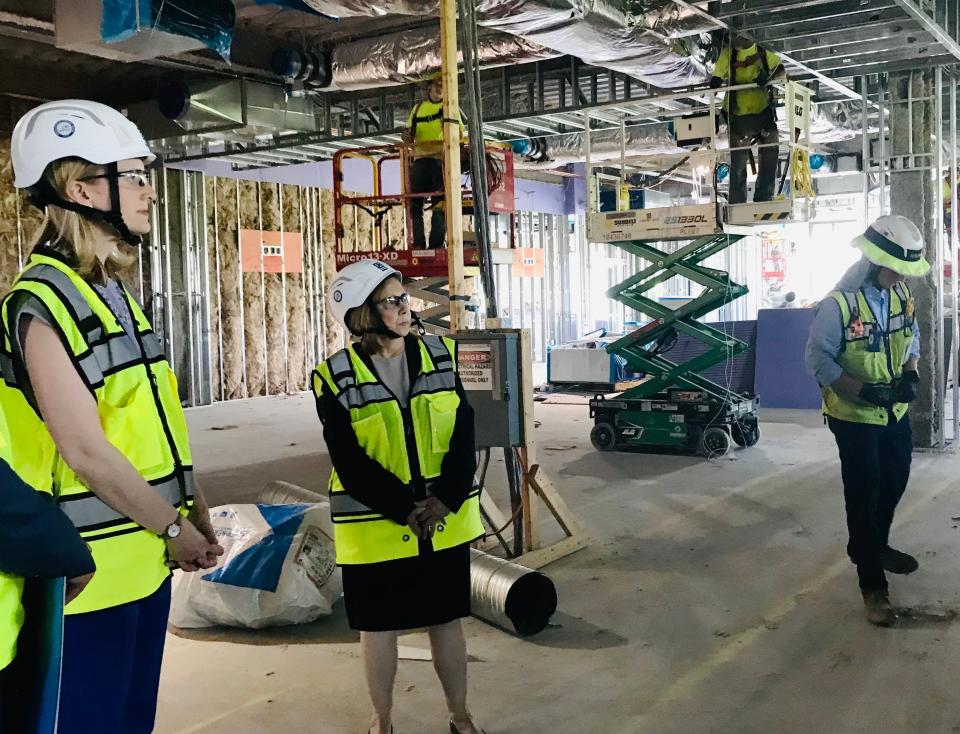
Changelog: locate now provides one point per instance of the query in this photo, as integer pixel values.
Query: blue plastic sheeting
(259, 567)
(210, 22)
(782, 378)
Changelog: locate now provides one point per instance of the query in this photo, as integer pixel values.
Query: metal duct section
(560, 150)
(510, 596)
(400, 58)
(671, 20)
(600, 32)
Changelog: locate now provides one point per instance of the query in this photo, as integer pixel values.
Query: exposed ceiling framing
(828, 43)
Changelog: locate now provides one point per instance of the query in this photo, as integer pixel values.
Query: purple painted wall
(532, 196)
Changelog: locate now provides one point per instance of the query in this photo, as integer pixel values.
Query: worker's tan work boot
(878, 608)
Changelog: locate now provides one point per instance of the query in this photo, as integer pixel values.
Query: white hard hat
(894, 242)
(354, 284)
(73, 128)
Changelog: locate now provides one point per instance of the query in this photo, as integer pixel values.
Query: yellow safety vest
(426, 122)
(11, 587)
(883, 365)
(408, 443)
(749, 101)
(140, 412)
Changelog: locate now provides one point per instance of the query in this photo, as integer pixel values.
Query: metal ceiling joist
(743, 7)
(847, 36)
(853, 23)
(757, 15)
(932, 26)
(921, 47)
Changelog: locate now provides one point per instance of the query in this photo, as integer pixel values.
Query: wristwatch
(173, 529)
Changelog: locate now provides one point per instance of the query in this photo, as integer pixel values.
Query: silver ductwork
(401, 58)
(605, 145)
(225, 108)
(600, 32)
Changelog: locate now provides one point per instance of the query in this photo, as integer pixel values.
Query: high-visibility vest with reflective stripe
(11, 587)
(880, 365)
(411, 444)
(140, 412)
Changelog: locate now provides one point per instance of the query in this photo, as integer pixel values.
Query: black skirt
(409, 593)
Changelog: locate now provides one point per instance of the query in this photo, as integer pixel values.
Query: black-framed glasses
(395, 301)
(140, 178)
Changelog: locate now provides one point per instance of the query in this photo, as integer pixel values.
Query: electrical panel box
(694, 130)
(489, 368)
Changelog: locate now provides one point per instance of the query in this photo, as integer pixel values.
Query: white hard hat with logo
(894, 242)
(72, 128)
(354, 284)
(76, 128)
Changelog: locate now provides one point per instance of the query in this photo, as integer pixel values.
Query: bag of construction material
(278, 568)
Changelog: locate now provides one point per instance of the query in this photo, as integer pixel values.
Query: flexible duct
(505, 594)
(284, 493)
(551, 151)
(600, 32)
(400, 58)
(510, 596)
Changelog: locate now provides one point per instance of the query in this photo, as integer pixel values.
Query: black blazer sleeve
(456, 479)
(36, 538)
(364, 479)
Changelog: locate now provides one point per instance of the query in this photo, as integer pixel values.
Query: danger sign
(475, 365)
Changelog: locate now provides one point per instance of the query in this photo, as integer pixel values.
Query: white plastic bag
(278, 568)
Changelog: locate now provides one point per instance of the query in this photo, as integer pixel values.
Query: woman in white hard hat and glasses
(401, 438)
(864, 349)
(94, 410)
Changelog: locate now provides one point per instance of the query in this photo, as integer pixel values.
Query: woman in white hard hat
(401, 438)
(863, 349)
(94, 410)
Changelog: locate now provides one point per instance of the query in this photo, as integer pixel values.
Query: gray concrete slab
(715, 597)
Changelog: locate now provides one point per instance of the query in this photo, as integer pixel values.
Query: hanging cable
(481, 204)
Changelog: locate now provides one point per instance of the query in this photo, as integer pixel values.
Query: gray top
(116, 299)
(395, 374)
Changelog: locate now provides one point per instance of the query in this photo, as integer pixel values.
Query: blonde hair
(72, 234)
(364, 319)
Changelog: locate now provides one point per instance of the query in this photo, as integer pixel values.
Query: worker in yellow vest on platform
(94, 411)
(425, 128)
(400, 434)
(36, 541)
(863, 349)
(751, 114)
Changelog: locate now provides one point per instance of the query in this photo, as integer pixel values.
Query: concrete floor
(715, 597)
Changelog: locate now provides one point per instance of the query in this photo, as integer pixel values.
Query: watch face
(173, 531)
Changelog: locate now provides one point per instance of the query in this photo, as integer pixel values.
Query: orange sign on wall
(528, 262)
(275, 252)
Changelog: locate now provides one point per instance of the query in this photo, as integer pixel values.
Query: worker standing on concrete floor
(94, 408)
(401, 438)
(36, 541)
(863, 349)
(751, 114)
(425, 128)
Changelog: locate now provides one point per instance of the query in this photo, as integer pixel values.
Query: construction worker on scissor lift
(425, 129)
(751, 113)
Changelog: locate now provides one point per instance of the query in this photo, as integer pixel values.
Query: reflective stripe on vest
(140, 412)
(11, 587)
(364, 535)
(860, 329)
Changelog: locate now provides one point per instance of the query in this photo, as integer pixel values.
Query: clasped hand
(425, 516)
(196, 547)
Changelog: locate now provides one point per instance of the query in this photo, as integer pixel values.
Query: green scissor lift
(676, 408)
